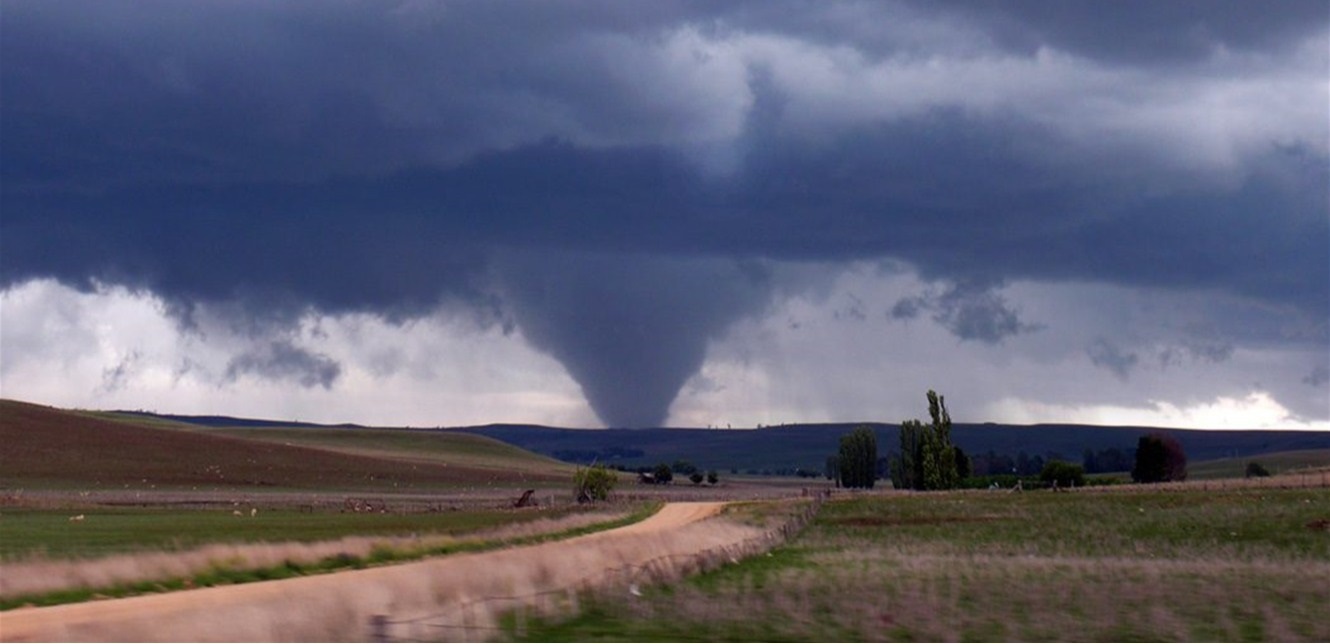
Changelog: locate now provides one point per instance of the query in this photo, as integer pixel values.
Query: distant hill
(47, 447)
(806, 446)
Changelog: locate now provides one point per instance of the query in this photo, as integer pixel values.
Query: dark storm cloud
(281, 360)
(971, 310)
(530, 161)
(1144, 31)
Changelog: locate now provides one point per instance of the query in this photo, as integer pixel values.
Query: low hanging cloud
(1107, 355)
(971, 310)
(281, 360)
(626, 181)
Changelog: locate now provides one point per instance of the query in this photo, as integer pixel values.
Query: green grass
(25, 532)
(1276, 463)
(415, 445)
(227, 573)
(1115, 565)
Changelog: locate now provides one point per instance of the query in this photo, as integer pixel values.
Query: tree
(1255, 469)
(683, 467)
(1062, 474)
(1159, 458)
(833, 469)
(712, 478)
(696, 478)
(663, 474)
(964, 466)
(928, 459)
(593, 483)
(858, 458)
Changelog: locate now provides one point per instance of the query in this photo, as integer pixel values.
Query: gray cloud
(1108, 355)
(970, 310)
(1318, 377)
(281, 360)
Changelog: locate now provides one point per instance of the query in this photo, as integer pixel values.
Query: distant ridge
(806, 445)
(228, 421)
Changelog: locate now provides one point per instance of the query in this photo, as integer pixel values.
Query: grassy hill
(1274, 462)
(46, 447)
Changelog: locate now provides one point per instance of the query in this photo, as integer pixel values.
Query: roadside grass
(1125, 566)
(261, 561)
(26, 533)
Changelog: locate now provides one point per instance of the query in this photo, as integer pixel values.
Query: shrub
(1062, 474)
(712, 477)
(1255, 469)
(593, 483)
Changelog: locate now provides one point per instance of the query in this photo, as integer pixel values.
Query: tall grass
(1148, 564)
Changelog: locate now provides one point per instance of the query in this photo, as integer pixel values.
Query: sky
(636, 214)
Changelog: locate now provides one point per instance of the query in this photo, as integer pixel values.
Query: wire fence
(479, 619)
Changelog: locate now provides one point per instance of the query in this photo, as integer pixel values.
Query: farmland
(1132, 564)
(167, 504)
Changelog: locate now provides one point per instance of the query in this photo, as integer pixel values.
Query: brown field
(42, 447)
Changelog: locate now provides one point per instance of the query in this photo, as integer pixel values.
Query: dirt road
(446, 590)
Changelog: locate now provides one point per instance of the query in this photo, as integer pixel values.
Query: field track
(338, 606)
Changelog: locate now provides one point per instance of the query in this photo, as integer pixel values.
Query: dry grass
(40, 575)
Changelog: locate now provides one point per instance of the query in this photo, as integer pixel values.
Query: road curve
(338, 606)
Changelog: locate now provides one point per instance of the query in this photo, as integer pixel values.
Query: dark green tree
(833, 469)
(928, 459)
(696, 478)
(713, 478)
(1255, 469)
(1159, 458)
(663, 474)
(858, 458)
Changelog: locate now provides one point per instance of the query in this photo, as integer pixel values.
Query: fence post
(378, 628)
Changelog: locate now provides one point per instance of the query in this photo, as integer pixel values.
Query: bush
(1255, 469)
(593, 483)
(712, 478)
(1062, 474)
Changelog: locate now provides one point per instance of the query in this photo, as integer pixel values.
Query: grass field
(46, 448)
(1274, 462)
(26, 533)
(427, 446)
(1123, 565)
(116, 554)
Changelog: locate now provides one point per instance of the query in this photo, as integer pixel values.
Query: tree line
(928, 460)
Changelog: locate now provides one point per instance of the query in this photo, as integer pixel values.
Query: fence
(478, 619)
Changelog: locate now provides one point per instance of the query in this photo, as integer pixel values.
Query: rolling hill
(47, 447)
